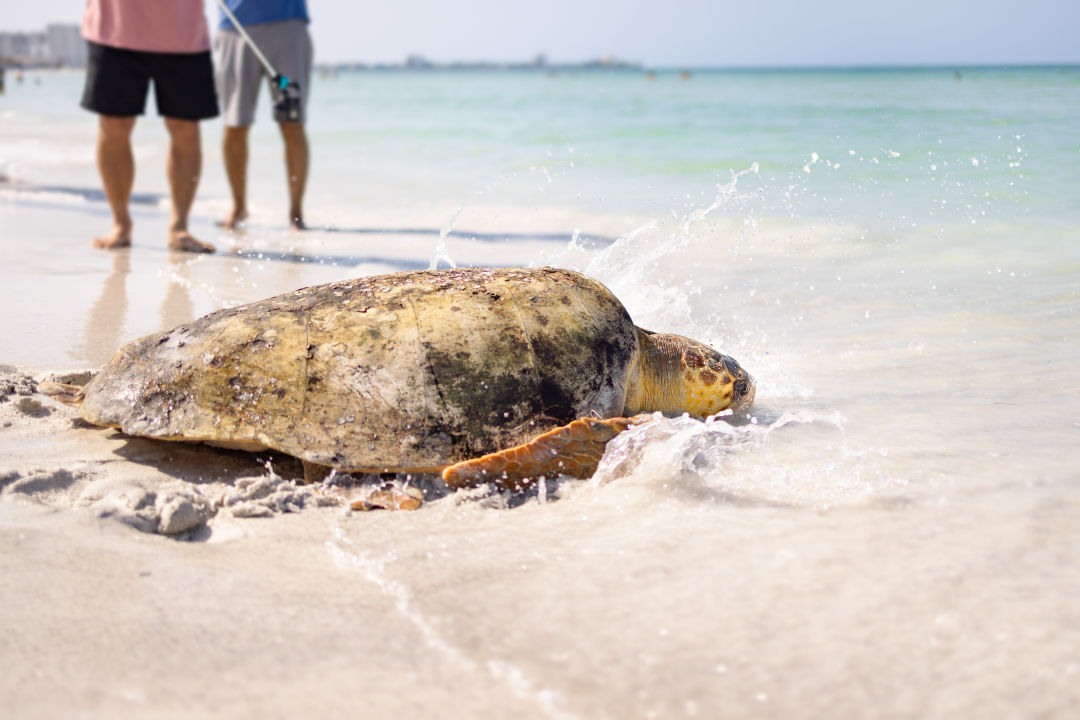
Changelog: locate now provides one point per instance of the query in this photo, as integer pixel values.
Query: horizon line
(632, 65)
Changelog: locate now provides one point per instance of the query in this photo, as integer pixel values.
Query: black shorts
(117, 82)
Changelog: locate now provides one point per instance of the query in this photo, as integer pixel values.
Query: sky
(673, 33)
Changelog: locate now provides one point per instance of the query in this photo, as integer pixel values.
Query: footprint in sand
(167, 511)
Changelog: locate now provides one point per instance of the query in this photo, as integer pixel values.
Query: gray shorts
(238, 72)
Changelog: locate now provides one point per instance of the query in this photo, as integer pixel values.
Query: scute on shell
(407, 370)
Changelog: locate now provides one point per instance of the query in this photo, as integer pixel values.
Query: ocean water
(893, 254)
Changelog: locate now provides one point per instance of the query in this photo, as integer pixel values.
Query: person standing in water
(279, 29)
(131, 43)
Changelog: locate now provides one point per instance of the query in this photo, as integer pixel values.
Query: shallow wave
(67, 194)
(786, 459)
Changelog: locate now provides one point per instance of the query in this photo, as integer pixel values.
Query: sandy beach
(169, 580)
(892, 534)
(263, 602)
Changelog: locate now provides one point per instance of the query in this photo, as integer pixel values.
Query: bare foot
(120, 237)
(183, 240)
(297, 223)
(235, 219)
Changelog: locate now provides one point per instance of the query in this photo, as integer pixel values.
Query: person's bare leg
(183, 169)
(234, 149)
(116, 163)
(297, 160)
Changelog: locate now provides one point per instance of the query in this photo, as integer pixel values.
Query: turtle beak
(743, 388)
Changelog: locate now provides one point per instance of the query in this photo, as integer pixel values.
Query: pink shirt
(168, 26)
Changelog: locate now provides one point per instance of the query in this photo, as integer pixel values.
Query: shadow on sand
(586, 242)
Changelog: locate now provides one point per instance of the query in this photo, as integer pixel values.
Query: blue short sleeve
(255, 12)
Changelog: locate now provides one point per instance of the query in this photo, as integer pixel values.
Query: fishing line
(286, 92)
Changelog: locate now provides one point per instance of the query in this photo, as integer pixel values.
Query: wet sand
(77, 306)
(601, 602)
(104, 618)
(154, 579)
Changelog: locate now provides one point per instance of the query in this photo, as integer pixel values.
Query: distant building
(66, 44)
(418, 62)
(59, 45)
(21, 47)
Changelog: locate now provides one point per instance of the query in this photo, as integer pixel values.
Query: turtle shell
(407, 370)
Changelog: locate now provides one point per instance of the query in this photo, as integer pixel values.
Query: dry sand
(153, 579)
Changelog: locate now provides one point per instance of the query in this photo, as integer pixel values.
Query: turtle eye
(740, 387)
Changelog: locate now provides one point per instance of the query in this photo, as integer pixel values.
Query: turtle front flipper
(389, 498)
(573, 450)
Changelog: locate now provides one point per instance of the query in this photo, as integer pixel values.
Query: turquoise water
(990, 143)
(844, 145)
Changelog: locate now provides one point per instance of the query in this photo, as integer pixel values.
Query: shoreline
(610, 603)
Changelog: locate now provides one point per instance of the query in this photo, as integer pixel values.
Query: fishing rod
(286, 92)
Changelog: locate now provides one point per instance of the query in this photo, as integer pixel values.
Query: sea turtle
(483, 375)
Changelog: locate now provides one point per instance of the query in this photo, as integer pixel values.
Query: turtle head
(676, 375)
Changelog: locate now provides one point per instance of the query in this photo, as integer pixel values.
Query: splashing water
(720, 461)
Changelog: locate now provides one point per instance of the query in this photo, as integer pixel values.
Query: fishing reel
(286, 94)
